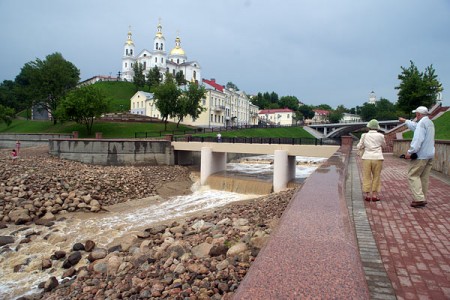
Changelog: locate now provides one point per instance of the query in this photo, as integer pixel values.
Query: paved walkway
(405, 251)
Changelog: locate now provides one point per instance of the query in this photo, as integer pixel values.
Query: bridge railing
(260, 140)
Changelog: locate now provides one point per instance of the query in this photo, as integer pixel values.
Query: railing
(147, 134)
(260, 140)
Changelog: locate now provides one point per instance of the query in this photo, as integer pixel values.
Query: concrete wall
(113, 152)
(28, 140)
(441, 162)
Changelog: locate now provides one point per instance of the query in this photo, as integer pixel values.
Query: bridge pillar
(211, 162)
(283, 170)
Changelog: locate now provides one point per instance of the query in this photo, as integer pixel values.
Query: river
(21, 264)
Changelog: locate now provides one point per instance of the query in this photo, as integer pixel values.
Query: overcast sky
(321, 51)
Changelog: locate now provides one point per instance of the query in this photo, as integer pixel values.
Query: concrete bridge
(214, 158)
(335, 130)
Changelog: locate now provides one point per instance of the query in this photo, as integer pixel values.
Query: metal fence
(260, 140)
(205, 130)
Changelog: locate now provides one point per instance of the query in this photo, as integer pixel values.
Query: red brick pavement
(414, 243)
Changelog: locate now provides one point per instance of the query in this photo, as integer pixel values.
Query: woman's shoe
(367, 198)
(375, 199)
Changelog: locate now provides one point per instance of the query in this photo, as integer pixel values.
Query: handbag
(361, 151)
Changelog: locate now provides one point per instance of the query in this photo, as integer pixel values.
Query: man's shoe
(418, 203)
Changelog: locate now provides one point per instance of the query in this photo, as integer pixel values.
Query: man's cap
(373, 124)
(421, 110)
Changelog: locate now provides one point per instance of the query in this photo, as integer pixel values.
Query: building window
(131, 52)
(162, 60)
(145, 64)
(178, 60)
(157, 45)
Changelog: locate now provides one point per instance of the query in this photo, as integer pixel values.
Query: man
(422, 147)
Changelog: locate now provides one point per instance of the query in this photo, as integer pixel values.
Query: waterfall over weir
(231, 182)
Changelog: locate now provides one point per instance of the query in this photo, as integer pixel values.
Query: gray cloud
(333, 52)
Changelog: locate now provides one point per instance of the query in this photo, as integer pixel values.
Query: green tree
(6, 114)
(306, 111)
(324, 107)
(290, 102)
(385, 110)
(154, 78)
(179, 78)
(231, 85)
(8, 96)
(368, 111)
(83, 105)
(47, 81)
(260, 101)
(166, 97)
(194, 95)
(417, 88)
(139, 76)
(335, 116)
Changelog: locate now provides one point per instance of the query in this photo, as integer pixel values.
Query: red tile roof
(275, 110)
(321, 112)
(213, 83)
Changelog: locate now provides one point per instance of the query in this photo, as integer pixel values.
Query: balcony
(219, 108)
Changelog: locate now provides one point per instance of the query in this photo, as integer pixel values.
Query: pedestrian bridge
(214, 157)
(335, 130)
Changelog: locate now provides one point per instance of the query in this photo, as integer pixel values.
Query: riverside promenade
(331, 244)
(413, 243)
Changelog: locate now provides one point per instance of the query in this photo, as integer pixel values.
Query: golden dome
(177, 50)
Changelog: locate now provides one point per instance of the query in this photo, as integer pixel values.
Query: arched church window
(145, 65)
(131, 51)
(126, 52)
(126, 65)
(157, 46)
(195, 75)
(162, 59)
(161, 46)
(156, 60)
(173, 72)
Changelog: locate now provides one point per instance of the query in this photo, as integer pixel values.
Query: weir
(213, 157)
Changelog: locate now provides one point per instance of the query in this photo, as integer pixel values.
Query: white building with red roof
(222, 107)
(278, 116)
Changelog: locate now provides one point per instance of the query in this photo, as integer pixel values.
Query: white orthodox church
(222, 106)
(174, 62)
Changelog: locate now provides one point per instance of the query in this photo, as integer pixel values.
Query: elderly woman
(372, 143)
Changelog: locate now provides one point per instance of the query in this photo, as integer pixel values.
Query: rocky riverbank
(204, 256)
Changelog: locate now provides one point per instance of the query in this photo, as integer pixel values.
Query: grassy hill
(119, 93)
(442, 127)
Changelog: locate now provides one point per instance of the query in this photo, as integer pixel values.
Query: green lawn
(442, 127)
(108, 129)
(282, 132)
(128, 130)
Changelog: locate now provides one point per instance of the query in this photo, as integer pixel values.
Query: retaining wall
(313, 252)
(441, 162)
(113, 152)
(29, 140)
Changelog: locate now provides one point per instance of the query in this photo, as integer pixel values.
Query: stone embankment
(204, 256)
